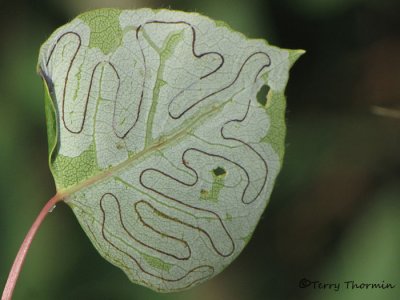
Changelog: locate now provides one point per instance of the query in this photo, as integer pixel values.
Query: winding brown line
(250, 147)
(173, 219)
(159, 213)
(141, 267)
(136, 119)
(67, 76)
(58, 40)
(90, 86)
(134, 123)
(139, 241)
(217, 217)
(261, 69)
(222, 89)
(185, 162)
(90, 89)
(197, 55)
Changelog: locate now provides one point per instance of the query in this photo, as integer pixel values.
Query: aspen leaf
(158, 141)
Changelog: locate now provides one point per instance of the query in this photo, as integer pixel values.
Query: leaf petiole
(20, 258)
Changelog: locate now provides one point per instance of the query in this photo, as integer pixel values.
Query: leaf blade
(146, 119)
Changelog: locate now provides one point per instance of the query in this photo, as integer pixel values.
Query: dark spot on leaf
(219, 171)
(262, 95)
(204, 193)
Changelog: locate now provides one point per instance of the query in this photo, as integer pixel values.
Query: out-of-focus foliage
(334, 212)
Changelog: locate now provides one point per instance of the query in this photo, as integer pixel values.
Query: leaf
(157, 141)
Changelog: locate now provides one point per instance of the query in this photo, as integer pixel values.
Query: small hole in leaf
(262, 95)
(219, 171)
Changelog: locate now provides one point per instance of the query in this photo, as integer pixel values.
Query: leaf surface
(157, 140)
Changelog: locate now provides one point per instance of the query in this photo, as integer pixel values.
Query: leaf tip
(295, 55)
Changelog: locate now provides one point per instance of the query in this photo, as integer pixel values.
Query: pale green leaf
(157, 141)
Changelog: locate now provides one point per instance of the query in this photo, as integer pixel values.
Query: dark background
(334, 215)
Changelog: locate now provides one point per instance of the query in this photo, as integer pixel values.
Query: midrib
(157, 145)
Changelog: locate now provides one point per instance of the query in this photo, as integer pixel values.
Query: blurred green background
(334, 215)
